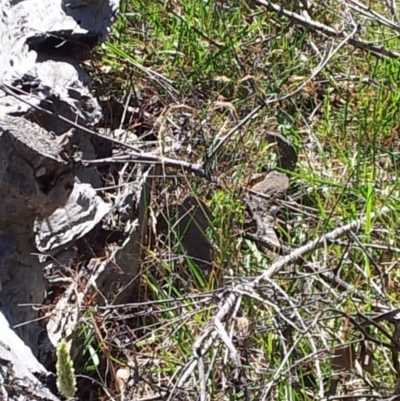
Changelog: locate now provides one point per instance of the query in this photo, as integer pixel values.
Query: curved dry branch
(207, 339)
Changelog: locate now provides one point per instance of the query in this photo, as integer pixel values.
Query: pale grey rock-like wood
(28, 24)
(31, 172)
(31, 164)
(19, 369)
(42, 43)
(82, 211)
(21, 283)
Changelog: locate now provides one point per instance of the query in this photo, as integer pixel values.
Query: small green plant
(66, 382)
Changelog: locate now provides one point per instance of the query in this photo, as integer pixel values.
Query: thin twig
(327, 30)
(151, 158)
(202, 380)
(369, 12)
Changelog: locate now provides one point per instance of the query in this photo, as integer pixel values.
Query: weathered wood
(45, 197)
(22, 377)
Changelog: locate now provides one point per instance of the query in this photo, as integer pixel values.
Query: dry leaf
(273, 183)
(122, 376)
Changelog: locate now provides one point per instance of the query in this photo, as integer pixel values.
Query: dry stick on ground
(327, 30)
(274, 269)
(151, 158)
(372, 14)
(305, 329)
(221, 142)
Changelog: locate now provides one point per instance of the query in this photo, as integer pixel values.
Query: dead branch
(266, 275)
(315, 26)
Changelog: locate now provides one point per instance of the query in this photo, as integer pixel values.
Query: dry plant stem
(149, 158)
(228, 342)
(306, 331)
(274, 268)
(199, 351)
(202, 380)
(374, 264)
(329, 237)
(368, 12)
(327, 30)
(393, 10)
(279, 370)
(322, 64)
(152, 397)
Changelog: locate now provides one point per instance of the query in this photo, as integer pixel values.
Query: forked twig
(266, 275)
(375, 49)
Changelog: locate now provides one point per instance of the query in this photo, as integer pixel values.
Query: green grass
(206, 65)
